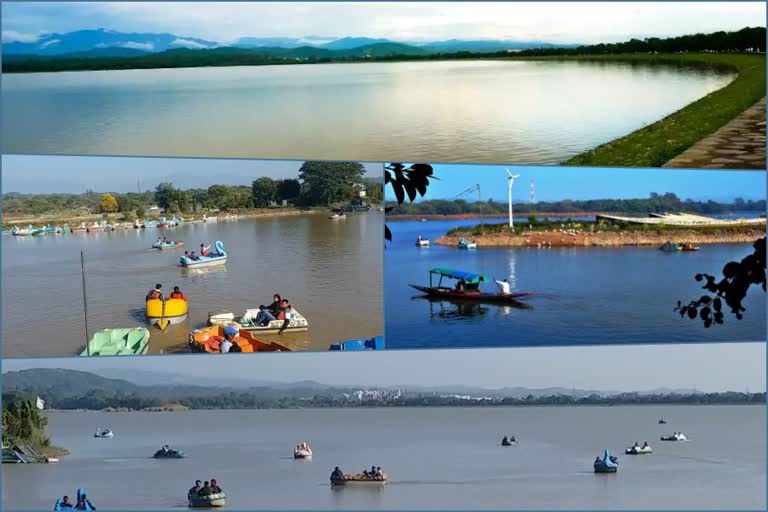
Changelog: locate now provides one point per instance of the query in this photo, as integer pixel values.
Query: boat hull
(118, 342)
(210, 501)
(359, 480)
(471, 296)
(175, 310)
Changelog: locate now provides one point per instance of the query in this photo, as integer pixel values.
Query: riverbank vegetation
(68, 389)
(655, 203)
(318, 184)
(23, 424)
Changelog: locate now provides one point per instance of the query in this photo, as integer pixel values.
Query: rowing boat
(468, 287)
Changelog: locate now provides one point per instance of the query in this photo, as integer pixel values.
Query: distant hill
(109, 43)
(89, 40)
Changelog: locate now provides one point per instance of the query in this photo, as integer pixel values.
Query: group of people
(204, 251)
(506, 441)
(164, 241)
(205, 488)
(374, 473)
(637, 445)
(156, 293)
(83, 503)
(280, 309)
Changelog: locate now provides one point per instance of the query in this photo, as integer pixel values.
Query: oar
(163, 322)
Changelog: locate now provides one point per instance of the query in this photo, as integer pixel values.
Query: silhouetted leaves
(738, 277)
(410, 181)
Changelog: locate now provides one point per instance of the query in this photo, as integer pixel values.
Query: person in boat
(285, 315)
(505, 440)
(65, 502)
(204, 249)
(337, 474)
(230, 333)
(645, 444)
(205, 490)
(196, 489)
(597, 460)
(83, 503)
(512, 439)
(155, 293)
(269, 313)
(461, 285)
(176, 294)
(215, 487)
(379, 473)
(504, 286)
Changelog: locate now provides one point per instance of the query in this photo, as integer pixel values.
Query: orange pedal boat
(209, 339)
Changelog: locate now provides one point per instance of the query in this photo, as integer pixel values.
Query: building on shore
(679, 220)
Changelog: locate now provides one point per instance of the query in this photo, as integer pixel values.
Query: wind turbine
(510, 181)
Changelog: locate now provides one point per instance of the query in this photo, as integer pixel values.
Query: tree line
(655, 203)
(23, 422)
(236, 399)
(318, 184)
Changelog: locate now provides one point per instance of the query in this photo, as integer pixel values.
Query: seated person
(65, 502)
(176, 294)
(155, 293)
(215, 487)
(194, 490)
(230, 333)
(337, 474)
(264, 316)
(194, 257)
(205, 490)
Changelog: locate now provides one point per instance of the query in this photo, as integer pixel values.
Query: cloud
(50, 43)
(192, 45)
(11, 36)
(147, 47)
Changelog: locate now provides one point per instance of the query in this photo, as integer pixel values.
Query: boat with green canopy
(467, 287)
(118, 342)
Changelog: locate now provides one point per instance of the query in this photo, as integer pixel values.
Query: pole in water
(85, 305)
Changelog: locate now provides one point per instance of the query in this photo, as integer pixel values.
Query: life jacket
(177, 295)
(154, 294)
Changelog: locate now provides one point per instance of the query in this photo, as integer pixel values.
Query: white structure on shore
(510, 181)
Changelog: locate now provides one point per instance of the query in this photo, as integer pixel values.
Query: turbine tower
(510, 180)
(533, 192)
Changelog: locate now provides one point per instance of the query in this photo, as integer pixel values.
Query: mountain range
(109, 43)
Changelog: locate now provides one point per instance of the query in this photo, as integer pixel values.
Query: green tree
(329, 182)
(140, 213)
(108, 203)
(164, 195)
(264, 190)
(288, 190)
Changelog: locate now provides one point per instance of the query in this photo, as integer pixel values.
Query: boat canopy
(458, 274)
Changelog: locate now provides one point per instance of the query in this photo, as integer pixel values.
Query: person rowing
(504, 286)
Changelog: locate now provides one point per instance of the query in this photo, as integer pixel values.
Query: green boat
(119, 342)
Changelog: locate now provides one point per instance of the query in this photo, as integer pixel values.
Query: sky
(579, 183)
(705, 367)
(76, 174)
(561, 22)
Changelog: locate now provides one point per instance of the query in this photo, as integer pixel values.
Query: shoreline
(43, 220)
(572, 238)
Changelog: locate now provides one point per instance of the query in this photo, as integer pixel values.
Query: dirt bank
(570, 238)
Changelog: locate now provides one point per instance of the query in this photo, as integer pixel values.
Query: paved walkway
(740, 144)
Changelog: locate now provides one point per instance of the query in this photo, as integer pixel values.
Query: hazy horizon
(226, 22)
(625, 368)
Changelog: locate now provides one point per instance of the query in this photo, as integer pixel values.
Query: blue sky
(563, 22)
(706, 367)
(76, 174)
(577, 183)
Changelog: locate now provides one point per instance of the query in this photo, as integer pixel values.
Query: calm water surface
(447, 458)
(329, 270)
(622, 295)
(479, 112)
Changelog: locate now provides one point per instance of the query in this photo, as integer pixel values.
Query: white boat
(210, 220)
(209, 501)
(677, 436)
(638, 450)
(337, 216)
(466, 244)
(302, 451)
(422, 242)
(103, 433)
(247, 321)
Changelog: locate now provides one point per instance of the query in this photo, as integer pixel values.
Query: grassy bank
(656, 144)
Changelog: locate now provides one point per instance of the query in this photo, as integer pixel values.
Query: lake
(613, 295)
(329, 270)
(436, 458)
(453, 111)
